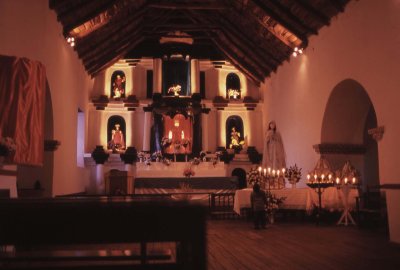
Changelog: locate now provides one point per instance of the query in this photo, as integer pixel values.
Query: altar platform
(175, 169)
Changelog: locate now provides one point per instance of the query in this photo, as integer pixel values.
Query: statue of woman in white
(274, 153)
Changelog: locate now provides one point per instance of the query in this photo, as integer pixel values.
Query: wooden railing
(36, 233)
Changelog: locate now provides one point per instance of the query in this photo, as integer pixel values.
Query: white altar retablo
(175, 169)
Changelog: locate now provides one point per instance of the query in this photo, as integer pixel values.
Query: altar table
(299, 198)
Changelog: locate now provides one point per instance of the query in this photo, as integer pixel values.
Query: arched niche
(233, 86)
(112, 123)
(176, 72)
(236, 122)
(348, 116)
(118, 82)
(241, 177)
(179, 129)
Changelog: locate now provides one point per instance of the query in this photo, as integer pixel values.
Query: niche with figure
(176, 77)
(177, 134)
(234, 133)
(116, 131)
(233, 86)
(118, 80)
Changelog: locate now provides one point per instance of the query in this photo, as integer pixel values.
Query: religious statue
(236, 143)
(274, 153)
(117, 142)
(118, 86)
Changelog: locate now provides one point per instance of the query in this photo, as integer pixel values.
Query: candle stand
(319, 187)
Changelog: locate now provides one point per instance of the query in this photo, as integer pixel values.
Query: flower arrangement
(293, 174)
(148, 162)
(233, 93)
(7, 146)
(218, 154)
(185, 142)
(157, 156)
(195, 161)
(273, 201)
(165, 142)
(203, 155)
(176, 88)
(253, 176)
(166, 161)
(188, 172)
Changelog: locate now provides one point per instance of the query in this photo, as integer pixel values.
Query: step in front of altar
(194, 183)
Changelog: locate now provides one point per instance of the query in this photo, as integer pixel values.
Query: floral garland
(7, 146)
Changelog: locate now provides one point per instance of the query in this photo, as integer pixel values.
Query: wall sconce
(297, 51)
(71, 41)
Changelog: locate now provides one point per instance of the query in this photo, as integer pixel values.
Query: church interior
(170, 118)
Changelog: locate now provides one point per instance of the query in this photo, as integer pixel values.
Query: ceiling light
(71, 41)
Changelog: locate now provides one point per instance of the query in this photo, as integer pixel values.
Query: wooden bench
(101, 233)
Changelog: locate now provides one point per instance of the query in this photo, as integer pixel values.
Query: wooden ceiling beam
(107, 33)
(238, 63)
(286, 20)
(109, 61)
(192, 6)
(305, 6)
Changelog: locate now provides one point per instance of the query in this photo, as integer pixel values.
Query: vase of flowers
(253, 176)
(293, 174)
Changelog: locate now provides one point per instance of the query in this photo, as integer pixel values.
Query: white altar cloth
(160, 170)
(299, 198)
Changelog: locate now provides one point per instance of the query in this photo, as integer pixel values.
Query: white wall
(30, 29)
(355, 46)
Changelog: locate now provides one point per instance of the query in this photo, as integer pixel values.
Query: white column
(157, 75)
(100, 185)
(204, 128)
(219, 129)
(147, 131)
(195, 76)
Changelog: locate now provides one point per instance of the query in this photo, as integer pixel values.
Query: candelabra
(271, 177)
(320, 179)
(346, 180)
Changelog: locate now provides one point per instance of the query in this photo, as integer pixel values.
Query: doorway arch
(241, 177)
(348, 116)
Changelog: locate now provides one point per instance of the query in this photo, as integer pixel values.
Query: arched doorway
(348, 116)
(233, 86)
(234, 124)
(241, 176)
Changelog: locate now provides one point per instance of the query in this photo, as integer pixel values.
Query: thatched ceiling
(256, 36)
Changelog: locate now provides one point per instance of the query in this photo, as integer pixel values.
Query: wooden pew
(39, 230)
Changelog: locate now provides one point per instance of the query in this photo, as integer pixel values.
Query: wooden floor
(234, 244)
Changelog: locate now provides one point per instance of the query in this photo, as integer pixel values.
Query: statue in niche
(117, 142)
(274, 153)
(119, 86)
(236, 143)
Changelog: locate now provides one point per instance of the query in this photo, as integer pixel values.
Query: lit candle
(315, 177)
(354, 180)
(265, 172)
(337, 180)
(323, 177)
(283, 170)
(308, 177)
(273, 172)
(259, 170)
(269, 170)
(278, 172)
(183, 135)
(345, 180)
(330, 177)
(170, 134)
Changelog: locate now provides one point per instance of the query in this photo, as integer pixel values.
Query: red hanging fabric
(22, 104)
